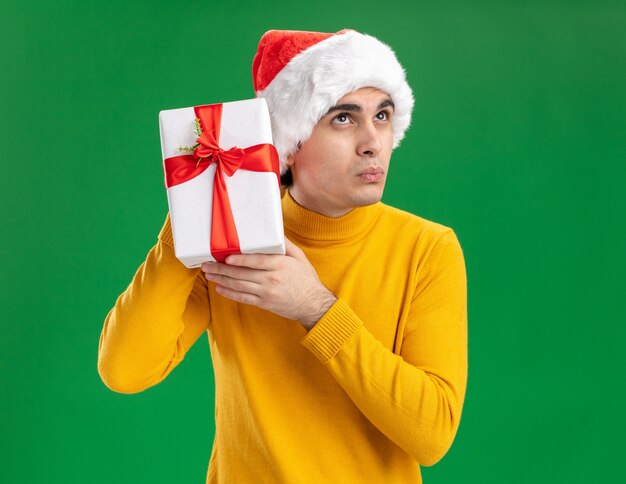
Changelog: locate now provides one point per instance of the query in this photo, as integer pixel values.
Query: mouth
(372, 174)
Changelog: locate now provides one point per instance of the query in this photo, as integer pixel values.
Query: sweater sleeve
(414, 398)
(153, 323)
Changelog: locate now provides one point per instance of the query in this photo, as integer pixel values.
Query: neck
(331, 212)
(309, 224)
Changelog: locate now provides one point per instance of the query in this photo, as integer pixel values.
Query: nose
(369, 142)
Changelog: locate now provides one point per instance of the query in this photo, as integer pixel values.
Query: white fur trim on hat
(315, 79)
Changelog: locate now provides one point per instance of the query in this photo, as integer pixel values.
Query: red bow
(179, 169)
(231, 159)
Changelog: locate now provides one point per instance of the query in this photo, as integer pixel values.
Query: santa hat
(303, 74)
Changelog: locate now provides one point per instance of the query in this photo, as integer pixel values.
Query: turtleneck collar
(312, 225)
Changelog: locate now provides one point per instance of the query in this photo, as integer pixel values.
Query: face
(354, 137)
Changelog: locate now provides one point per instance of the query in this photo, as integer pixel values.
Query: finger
(266, 262)
(243, 273)
(242, 297)
(293, 250)
(235, 284)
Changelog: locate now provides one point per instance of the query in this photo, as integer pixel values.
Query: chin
(368, 197)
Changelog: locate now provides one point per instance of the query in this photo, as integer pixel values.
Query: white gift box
(254, 196)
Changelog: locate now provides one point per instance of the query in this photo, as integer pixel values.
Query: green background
(518, 143)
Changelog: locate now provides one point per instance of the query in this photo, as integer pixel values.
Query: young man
(344, 360)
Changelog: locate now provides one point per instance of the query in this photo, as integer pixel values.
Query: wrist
(321, 307)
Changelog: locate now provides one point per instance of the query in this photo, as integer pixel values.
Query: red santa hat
(302, 75)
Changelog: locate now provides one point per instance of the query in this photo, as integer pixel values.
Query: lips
(372, 175)
(372, 171)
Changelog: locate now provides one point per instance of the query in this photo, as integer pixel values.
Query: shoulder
(409, 223)
(418, 238)
(433, 248)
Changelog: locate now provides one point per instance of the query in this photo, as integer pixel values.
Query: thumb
(293, 250)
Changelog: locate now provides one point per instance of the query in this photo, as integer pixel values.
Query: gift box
(223, 181)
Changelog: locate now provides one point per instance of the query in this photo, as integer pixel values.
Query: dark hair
(286, 179)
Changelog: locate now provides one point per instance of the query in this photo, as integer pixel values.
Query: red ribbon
(179, 169)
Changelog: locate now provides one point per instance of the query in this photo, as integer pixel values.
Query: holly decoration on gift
(192, 149)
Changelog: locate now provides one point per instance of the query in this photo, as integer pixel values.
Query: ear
(291, 158)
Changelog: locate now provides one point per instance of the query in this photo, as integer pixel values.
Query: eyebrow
(357, 109)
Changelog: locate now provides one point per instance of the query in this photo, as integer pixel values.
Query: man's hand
(286, 285)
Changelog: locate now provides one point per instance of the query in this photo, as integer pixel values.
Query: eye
(384, 117)
(341, 118)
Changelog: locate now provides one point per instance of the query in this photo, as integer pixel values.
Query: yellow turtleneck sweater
(371, 392)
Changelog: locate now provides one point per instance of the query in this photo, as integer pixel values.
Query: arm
(414, 398)
(160, 315)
